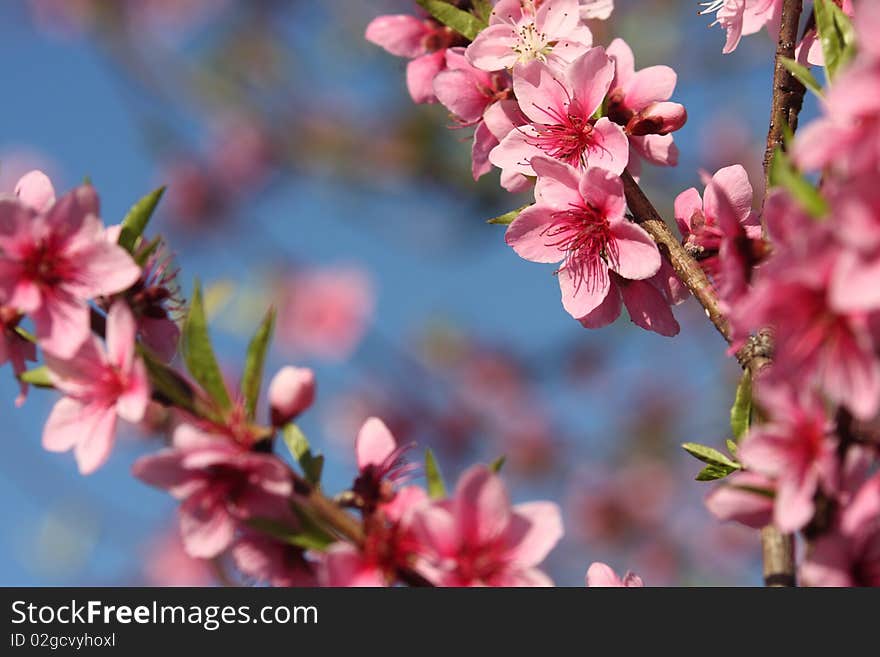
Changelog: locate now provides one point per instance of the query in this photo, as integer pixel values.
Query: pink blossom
(324, 313)
(809, 50)
(743, 497)
(54, 260)
(797, 449)
(266, 560)
(424, 42)
(523, 31)
(15, 349)
(380, 464)
(477, 537)
(99, 386)
(389, 546)
(560, 107)
(637, 101)
(220, 485)
(743, 17)
(602, 575)
(721, 231)
(849, 554)
(579, 220)
(166, 563)
(291, 392)
(35, 190)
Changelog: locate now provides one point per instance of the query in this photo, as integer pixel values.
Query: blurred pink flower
(744, 497)
(15, 349)
(596, 9)
(54, 260)
(602, 575)
(266, 560)
(220, 484)
(99, 386)
(743, 17)
(324, 313)
(476, 538)
(166, 563)
(380, 464)
(291, 392)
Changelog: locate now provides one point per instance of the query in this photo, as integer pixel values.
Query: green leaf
(710, 455)
(741, 411)
(144, 252)
(713, 472)
(482, 9)
(25, 335)
(198, 353)
(169, 383)
(732, 447)
(783, 174)
(507, 218)
(138, 217)
(467, 25)
(497, 464)
(253, 368)
(836, 34)
(312, 464)
(309, 538)
(39, 376)
(803, 75)
(436, 487)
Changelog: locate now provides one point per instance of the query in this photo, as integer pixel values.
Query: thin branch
(788, 93)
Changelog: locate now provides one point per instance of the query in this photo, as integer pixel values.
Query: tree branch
(788, 93)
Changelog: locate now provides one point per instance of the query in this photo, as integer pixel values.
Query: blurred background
(299, 173)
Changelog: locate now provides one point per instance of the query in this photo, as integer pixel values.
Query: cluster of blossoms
(102, 302)
(550, 108)
(813, 289)
(553, 110)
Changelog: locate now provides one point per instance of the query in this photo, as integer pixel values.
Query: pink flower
(743, 497)
(721, 231)
(637, 101)
(390, 545)
(578, 219)
(14, 348)
(99, 386)
(477, 538)
(424, 42)
(264, 559)
(54, 260)
(523, 31)
(380, 464)
(743, 17)
(602, 575)
(35, 190)
(846, 137)
(849, 554)
(166, 563)
(797, 449)
(323, 313)
(560, 108)
(291, 392)
(220, 485)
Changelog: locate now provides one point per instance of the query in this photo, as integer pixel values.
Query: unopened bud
(291, 392)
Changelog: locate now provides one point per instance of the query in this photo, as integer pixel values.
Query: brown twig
(788, 93)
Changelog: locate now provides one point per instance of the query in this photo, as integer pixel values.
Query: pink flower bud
(35, 190)
(291, 392)
(657, 119)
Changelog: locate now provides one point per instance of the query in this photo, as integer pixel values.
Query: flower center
(532, 44)
(45, 266)
(583, 233)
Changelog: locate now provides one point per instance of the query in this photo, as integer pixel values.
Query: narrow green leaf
(436, 487)
(198, 354)
(168, 383)
(467, 25)
(146, 250)
(836, 34)
(710, 455)
(39, 376)
(138, 217)
(497, 464)
(312, 464)
(803, 75)
(741, 411)
(712, 472)
(732, 447)
(783, 174)
(256, 358)
(482, 9)
(26, 335)
(507, 218)
(312, 538)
